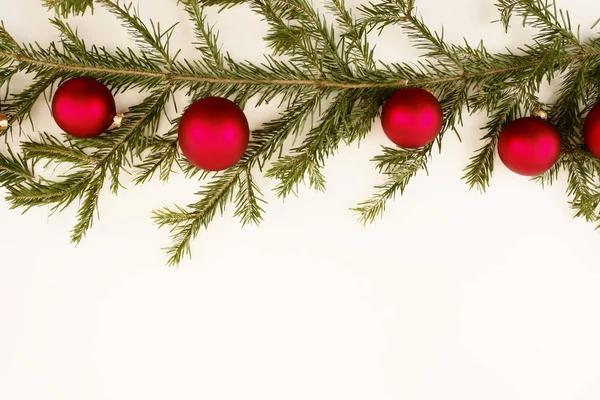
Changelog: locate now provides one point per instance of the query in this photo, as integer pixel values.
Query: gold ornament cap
(3, 122)
(540, 114)
(118, 121)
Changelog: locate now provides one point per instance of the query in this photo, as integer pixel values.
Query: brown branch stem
(317, 83)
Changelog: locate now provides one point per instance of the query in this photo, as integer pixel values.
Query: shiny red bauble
(529, 146)
(591, 130)
(214, 133)
(412, 118)
(83, 107)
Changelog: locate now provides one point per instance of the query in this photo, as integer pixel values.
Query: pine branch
(357, 49)
(153, 42)
(20, 105)
(50, 148)
(582, 173)
(480, 170)
(163, 155)
(14, 169)
(295, 30)
(348, 117)
(186, 222)
(403, 13)
(544, 15)
(109, 154)
(88, 206)
(248, 200)
(207, 38)
(399, 166)
(59, 194)
(315, 26)
(69, 7)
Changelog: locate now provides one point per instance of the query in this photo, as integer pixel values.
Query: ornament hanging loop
(3, 122)
(539, 113)
(118, 121)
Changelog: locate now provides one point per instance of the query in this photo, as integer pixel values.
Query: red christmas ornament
(412, 118)
(529, 146)
(591, 130)
(214, 133)
(83, 107)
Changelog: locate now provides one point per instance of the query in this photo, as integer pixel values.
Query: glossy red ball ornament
(83, 107)
(529, 146)
(412, 118)
(214, 133)
(591, 130)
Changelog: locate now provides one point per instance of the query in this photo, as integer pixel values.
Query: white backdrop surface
(453, 295)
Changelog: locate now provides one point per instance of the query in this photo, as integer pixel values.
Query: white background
(453, 295)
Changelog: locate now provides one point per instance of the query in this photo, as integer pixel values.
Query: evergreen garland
(330, 86)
